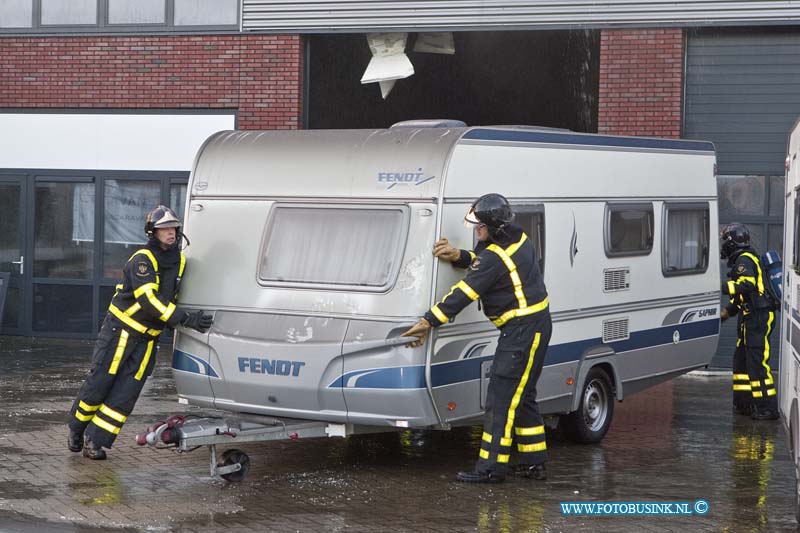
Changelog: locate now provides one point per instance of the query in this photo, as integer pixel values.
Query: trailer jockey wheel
(231, 457)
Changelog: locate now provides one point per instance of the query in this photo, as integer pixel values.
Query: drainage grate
(615, 330)
(616, 279)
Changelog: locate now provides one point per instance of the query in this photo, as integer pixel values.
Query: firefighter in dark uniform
(753, 385)
(124, 354)
(503, 272)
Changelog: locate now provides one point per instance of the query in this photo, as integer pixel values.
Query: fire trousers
(753, 383)
(122, 361)
(512, 414)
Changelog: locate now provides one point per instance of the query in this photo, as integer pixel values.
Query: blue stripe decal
(192, 363)
(413, 377)
(587, 140)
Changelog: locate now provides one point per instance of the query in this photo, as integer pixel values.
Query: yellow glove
(443, 250)
(420, 330)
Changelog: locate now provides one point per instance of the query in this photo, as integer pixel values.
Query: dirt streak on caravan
(331, 261)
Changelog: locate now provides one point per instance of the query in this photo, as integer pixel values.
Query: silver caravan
(313, 251)
(789, 378)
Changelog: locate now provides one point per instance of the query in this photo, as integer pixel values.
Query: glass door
(12, 252)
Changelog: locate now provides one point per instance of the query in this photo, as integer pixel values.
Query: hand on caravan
(443, 250)
(419, 330)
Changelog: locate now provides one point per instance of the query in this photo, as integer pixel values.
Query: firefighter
(503, 272)
(753, 385)
(124, 354)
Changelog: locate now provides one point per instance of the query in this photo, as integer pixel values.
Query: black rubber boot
(764, 414)
(93, 451)
(537, 471)
(75, 441)
(480, 477)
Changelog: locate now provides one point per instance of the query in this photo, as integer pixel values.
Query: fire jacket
(504, 275)
(145, 300)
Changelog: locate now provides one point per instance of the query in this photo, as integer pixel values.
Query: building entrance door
(12, 252)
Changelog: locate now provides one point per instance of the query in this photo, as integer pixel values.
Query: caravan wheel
(231, 457)
(590, 423)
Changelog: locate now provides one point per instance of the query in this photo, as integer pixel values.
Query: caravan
(789, 380)
(313, 251)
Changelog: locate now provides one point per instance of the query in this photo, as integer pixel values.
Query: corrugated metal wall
(743, 94)
(384, 15)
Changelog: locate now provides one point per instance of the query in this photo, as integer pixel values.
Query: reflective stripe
(508, 315)
(536, 430)
(82, 417)
(109, 412)
(144, 288)
(133, 324)
(757, 394)
(538, 447)
(168, 313)
(511, 250)
(486, 437)
(118, 286)
(764, 361)
(771, 392)
(503, 458)
(484, 454)
(146, 360)
(744, 377)
(471, 254)
(505, 255)
(512, 409)
(760, 284)
(183, 265)
(505, 441)
(123, 341)
(755, 383)
(741, 387)
(133, 309)
(439, 315)
(731, 287)
(751, 279)
(149, 254)
(86, 407)
(466, 289)
(105, 425)
(155, 302)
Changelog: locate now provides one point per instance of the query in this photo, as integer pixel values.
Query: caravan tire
(590, 423)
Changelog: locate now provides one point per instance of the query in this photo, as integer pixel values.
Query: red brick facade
(641, 82)
(260, 75)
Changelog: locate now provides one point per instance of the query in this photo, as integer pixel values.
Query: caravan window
(628, 229)
(796, 234)
(353, 247)
(686, 231)
(531, 219)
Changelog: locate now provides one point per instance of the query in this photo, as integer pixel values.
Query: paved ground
(675, 442)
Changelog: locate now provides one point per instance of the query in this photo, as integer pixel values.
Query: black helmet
(733, 237)
(491, 209)
(161, 217)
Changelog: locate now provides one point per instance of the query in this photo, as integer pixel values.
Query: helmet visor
(470, 220)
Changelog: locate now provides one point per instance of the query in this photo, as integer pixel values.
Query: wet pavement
(677, 442)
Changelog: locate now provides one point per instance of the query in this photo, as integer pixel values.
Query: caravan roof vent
(430, 123)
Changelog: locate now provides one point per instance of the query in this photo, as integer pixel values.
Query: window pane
(687, 240)
(69, 12)
(126, 205)
(62, 308)
(774, 239)
(177, 198)
(776, 195)
(11, 308)
(206, 12)
(532, 223)
(630, 230)
(104, 298)
(740, 196)
(10, 247)
(16, 13)
(64, 230)
(332, 246)
(136, 11)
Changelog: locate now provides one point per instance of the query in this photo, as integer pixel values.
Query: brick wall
(260, 75)
(641, 82)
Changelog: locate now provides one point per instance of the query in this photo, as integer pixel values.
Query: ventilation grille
(616, 279)
(615, 330)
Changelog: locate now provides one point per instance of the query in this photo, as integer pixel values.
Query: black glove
(197, 320)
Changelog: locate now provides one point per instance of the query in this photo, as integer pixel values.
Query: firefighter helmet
(161, 217)
(733, 237)
(491, 209)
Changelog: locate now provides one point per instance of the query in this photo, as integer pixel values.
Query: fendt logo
(276, 367)
(403, 178)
